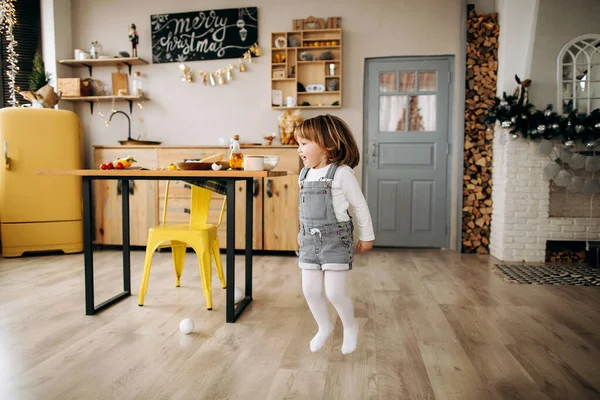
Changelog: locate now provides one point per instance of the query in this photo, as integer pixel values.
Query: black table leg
(230, 259)
(86, 186)
(90, 309)
(249, 238)
(126, 237)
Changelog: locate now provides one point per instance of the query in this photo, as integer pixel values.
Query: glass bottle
(137, 84)
(95, 49)
(236, 157)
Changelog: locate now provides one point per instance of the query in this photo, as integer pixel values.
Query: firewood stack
(482, 64)
(566, 256)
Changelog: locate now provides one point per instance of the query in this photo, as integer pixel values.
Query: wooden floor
(433, 325)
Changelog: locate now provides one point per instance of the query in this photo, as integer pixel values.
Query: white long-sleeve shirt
(346, 192)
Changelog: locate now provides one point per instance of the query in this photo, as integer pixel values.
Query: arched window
(578, 75)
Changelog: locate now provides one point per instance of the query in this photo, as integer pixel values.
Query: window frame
(28, 33)
(583, 42)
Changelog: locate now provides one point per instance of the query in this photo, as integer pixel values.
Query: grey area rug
(548, 274)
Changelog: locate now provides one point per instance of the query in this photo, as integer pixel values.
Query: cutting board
(119, 82)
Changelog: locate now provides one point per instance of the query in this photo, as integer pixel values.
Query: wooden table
(124, 176)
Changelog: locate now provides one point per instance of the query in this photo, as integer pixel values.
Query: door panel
(407, 135)
(31, 146)
(281, 213)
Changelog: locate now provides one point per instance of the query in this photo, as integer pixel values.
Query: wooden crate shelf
(306, 72)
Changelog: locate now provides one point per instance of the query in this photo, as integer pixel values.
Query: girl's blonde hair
(332, 135)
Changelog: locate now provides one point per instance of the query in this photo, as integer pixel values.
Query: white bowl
(254, 163)
(271, 162)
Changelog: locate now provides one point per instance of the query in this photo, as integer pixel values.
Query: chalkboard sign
(203, 35)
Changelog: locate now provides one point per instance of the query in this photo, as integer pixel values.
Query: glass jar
(137, 84)
(236, 157)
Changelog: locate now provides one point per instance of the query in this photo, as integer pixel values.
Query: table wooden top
(162, 173)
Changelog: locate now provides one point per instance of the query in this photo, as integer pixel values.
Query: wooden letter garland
(316, 23)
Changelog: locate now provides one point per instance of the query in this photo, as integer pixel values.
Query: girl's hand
(362, 247)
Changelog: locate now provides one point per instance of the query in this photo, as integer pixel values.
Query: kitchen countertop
(216, 146)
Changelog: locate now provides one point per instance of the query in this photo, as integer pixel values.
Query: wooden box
(75, 87)
(69, 86)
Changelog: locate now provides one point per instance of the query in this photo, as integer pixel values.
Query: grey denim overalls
(322, 239)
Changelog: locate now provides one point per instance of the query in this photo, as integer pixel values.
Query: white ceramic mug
(254, 163)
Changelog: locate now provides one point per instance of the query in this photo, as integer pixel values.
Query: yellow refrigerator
(38, 212)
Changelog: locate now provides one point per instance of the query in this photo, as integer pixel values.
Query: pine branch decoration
(39, 77)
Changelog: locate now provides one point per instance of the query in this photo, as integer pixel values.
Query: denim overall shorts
(325, 243)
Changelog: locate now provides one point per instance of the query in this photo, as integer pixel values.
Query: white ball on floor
(186, 325)
(238, 295)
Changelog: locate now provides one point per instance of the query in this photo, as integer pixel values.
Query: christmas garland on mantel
(525, 121)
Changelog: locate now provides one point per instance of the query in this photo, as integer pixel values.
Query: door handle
(255, 188)
(130, 188)
(269, 188)
(6, 159)
(186, 210)
(373, 149)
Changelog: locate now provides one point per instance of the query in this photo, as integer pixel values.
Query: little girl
(327, 187)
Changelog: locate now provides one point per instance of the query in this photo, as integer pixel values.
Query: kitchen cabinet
(280, 209)
(275, 225)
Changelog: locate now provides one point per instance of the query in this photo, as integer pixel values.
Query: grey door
(406, 150)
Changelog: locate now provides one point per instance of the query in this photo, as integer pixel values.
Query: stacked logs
(566, 256)
(482, 64)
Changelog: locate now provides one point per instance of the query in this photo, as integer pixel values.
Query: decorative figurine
(134, 39)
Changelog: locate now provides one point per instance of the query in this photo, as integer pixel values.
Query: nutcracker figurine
(134, 39)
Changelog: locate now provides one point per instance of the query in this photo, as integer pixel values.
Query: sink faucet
(128, 122)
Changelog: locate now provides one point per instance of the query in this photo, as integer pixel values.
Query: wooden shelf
(303, 107)
(103, 62)
(92, 99)
(318, 62)
(325, 92)
(101, 98)
(317, 47)
(308, 72)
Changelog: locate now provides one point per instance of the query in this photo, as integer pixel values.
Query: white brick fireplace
(521, 224)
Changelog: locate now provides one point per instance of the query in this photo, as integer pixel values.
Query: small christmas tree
(39, 77)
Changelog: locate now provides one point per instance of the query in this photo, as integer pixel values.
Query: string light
(8, 20)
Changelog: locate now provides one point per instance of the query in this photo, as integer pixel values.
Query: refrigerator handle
(6, 159)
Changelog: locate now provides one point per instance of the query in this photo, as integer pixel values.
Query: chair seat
(184, 227)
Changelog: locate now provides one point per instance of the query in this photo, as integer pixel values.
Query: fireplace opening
(572, 252)
(565, 251)
(572, 205)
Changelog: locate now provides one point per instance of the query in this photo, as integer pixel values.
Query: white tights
(335, 288)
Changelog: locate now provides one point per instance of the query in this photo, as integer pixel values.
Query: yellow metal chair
(198, 233)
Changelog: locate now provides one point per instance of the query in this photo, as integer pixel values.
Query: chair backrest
(199, 206)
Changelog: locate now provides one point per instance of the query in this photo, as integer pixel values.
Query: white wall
(484, 6)
(517, 33)
(558, 22)
(179, 114)
(56, 39)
